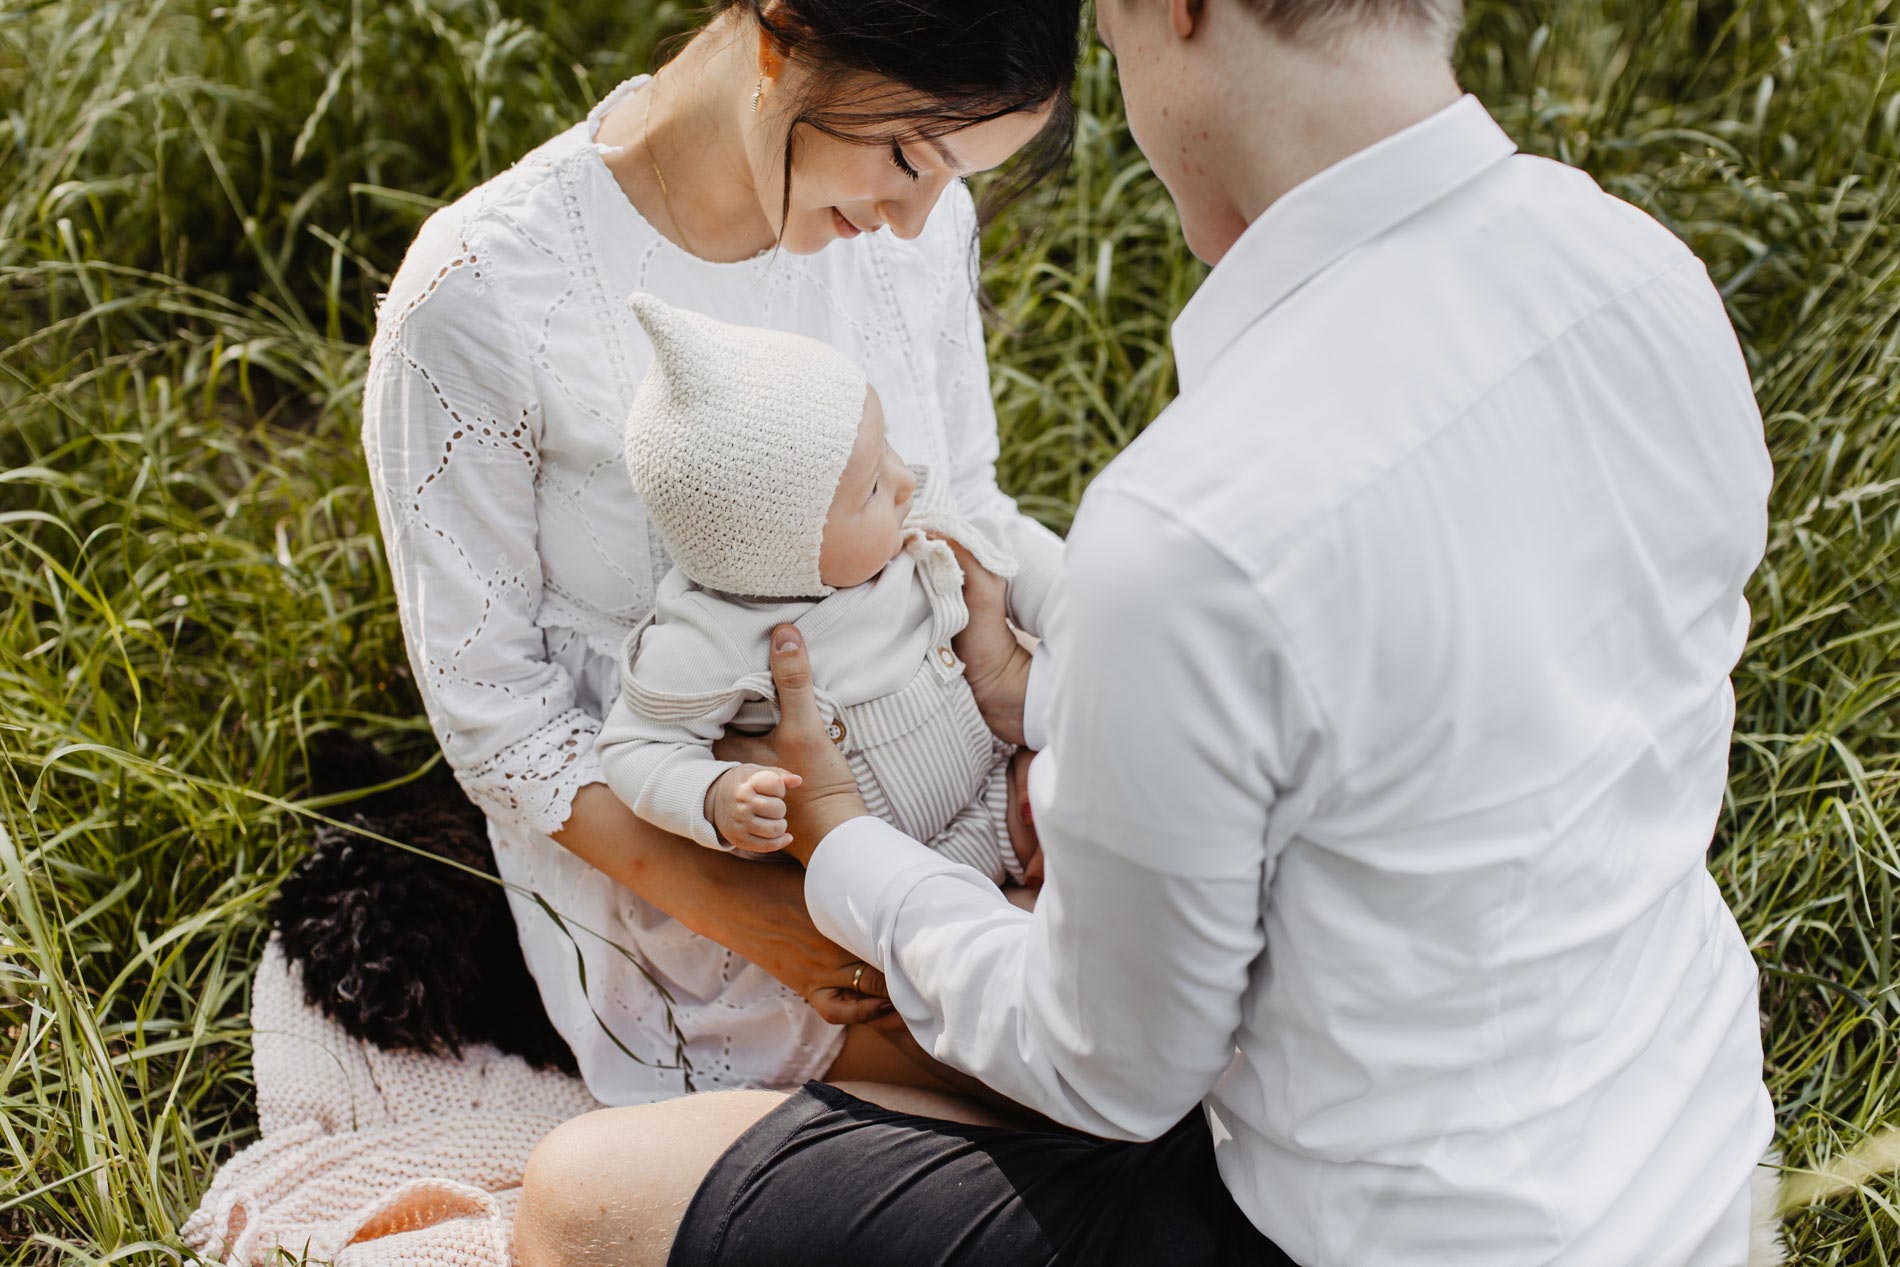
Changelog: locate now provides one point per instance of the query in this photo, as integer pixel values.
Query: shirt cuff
(1036, 699)
(856, 878)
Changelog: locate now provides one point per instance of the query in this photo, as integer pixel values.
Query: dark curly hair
(397, 947)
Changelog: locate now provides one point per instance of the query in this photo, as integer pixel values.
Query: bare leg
(611, 1187)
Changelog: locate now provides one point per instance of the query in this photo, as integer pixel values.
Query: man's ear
(1185, 17)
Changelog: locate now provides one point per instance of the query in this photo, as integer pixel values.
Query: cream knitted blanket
(371, 1157)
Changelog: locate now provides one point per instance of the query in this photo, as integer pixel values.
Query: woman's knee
(611, 1186)
(587, 1197)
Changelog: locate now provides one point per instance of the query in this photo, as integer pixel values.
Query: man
(1386, 717)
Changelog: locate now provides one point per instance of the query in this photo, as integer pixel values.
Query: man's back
(1484, 445)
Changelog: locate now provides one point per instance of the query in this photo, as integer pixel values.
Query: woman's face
(841, 189)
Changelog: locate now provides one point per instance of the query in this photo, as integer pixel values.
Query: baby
(762, 458)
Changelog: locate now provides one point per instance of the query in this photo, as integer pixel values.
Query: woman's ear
(771, 57)
(773, 26)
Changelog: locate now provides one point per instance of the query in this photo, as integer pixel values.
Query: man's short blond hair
(1340, 19)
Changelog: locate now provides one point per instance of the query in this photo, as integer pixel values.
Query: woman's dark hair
(950, 63)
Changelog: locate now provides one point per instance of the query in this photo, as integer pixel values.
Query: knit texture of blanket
(370, 1157)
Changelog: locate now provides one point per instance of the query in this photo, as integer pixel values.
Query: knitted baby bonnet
(735, 442)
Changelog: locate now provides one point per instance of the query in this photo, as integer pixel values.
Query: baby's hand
(747, 805)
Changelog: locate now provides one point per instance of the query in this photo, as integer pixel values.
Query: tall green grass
(198, 204)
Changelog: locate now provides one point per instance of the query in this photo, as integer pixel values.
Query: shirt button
(948, 657)
(835, 731)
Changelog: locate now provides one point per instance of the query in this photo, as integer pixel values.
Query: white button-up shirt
(1387, 724)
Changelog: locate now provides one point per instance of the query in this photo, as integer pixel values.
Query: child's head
(762, 459)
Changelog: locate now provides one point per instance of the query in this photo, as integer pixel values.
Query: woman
(798, 166)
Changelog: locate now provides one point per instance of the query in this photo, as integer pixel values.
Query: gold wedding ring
(857, 977)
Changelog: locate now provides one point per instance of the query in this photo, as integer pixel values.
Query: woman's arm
(756, 910)
(451, 432)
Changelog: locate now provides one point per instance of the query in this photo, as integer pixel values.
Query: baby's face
(865, 527)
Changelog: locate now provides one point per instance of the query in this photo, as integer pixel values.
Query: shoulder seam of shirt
(488, 214)
(527, 183)
(504, 310)
(1133, 491)
(1289, 650)
(1319, 515)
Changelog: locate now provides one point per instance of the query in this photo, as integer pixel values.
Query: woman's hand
(995, 662)
(828, 794)
(779, 936)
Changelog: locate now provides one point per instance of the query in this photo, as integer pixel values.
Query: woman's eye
(901, 163)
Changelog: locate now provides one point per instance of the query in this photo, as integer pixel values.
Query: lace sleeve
(963, 384)
(451, 430)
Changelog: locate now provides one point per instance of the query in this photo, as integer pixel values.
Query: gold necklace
(653, 161)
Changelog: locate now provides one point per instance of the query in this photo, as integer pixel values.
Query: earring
(758, 92)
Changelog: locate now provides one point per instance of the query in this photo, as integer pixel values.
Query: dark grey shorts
(827, 1179)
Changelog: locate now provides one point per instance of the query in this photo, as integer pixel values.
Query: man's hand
(828, 792)
(995, 662)
(747, 806)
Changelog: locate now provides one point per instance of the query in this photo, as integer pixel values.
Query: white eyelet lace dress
(504, 362)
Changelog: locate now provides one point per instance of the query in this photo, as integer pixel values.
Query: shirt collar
(1327, 215)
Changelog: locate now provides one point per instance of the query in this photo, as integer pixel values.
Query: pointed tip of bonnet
(654, 314)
